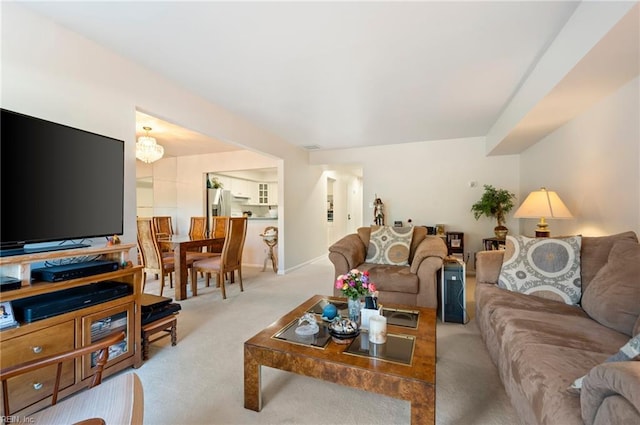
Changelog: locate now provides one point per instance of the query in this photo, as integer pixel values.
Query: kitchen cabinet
(263, 193)
(253, 193)
(68, 330)
(273, 194)
(240, 188)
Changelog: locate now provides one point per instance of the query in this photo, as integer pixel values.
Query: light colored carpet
(200, 380)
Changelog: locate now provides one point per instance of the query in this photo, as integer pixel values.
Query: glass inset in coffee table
(404, 367)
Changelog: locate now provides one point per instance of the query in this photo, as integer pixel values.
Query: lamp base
(542, 229)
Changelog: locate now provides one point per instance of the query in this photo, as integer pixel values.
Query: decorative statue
(378, 212)
(310, 328)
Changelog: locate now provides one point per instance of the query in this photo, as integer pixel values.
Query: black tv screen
(58, 183)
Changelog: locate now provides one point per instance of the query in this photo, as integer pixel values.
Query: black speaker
(453, 293)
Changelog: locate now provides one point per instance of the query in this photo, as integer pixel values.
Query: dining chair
(163, 225)
(230, 259)
(218, 230)
(152, 259)
(198, 229)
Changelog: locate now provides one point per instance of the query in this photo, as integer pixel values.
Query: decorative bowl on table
(343, 331)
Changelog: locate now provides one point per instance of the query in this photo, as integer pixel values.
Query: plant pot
(500, 232)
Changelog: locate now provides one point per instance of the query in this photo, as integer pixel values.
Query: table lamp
(543, 204)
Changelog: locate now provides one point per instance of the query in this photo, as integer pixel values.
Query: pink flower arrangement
(355, 284)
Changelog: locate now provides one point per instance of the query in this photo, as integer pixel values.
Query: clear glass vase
(354, 306)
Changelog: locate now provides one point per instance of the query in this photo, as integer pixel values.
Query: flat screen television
(57, 183)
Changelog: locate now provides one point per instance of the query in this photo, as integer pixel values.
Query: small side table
(167, 325)
(270, 238)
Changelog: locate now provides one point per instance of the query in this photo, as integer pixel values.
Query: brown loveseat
(415, 284)
(541, 346)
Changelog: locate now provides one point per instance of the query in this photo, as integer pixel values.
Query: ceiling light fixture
(147, 149)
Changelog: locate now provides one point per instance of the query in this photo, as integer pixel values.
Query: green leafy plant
(494, 203)
(214, 183)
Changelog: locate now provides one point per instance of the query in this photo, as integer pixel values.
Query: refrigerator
(219, 202)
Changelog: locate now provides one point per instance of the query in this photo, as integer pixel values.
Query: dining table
(180, 244)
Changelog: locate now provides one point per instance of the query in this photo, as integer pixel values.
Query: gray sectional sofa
(541, 346)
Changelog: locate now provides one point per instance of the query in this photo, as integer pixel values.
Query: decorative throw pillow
(545, 267)
(613, 296)
(389, 245)
(629, 351)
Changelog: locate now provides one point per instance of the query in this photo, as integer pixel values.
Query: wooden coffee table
(408, 374)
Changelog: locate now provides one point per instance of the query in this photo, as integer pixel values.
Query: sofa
(412, 284)
(541, 346)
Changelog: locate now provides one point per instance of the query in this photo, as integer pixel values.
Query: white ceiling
(334, 74)
(179, 141)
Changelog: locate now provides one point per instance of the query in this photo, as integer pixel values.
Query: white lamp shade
(543, 203)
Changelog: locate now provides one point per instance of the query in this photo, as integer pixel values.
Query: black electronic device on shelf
(73, 270)
(52, 304)
(155, 307)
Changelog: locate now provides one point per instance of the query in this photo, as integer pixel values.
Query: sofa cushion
(392, 278)
(545, 267)
(389, 245)
(629, 351)
(542, 353)
(595, 253)
(613, 296)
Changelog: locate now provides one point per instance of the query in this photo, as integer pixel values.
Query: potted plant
(214, 183)
(495, 203)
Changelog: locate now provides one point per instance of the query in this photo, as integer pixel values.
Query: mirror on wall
(144, 197)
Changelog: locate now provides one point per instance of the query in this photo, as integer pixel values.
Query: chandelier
(147, 149)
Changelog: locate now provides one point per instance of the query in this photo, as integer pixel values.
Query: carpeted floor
(200, 380)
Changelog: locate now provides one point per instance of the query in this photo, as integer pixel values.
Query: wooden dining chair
(198, 229)
(163, 225)
(230, 259)
(218, 230)
(152, 259)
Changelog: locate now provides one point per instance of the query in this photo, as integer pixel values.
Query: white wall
(428, 182)
(52, 73)
(593, 163)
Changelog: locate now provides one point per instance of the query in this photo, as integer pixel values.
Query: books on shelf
(7, 319)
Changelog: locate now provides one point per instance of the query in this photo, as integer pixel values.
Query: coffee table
(408, 374)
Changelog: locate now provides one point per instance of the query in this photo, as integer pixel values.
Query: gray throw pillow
(545, 267)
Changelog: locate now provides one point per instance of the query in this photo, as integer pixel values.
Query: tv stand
(27, 250)
(69, 330)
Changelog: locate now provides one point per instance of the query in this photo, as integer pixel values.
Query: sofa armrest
(347, 253)
(611, 379)
(427, 260)
(488, 265)
(431, 246)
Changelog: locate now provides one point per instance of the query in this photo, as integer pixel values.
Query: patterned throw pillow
(629, 351)
(545, 267)
(389, 245)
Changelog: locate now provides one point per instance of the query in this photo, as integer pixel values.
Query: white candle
(378, 329)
